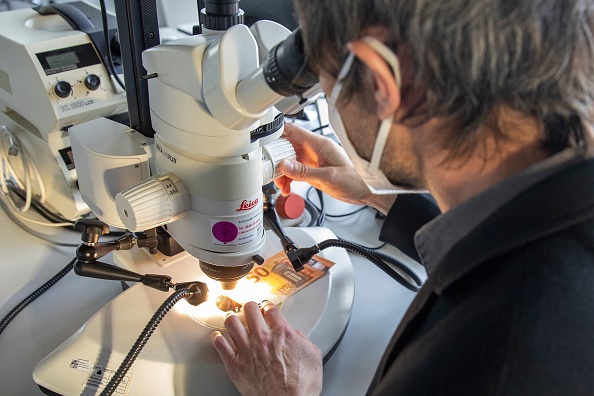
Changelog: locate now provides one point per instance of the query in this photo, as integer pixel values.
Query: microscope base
(178, 359)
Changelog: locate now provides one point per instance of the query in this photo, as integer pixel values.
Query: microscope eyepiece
(221, 14)
(286, 69)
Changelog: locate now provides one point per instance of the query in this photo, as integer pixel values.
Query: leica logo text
(247, 205)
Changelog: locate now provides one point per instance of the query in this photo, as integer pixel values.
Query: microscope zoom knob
(272, 155)
(153, 202)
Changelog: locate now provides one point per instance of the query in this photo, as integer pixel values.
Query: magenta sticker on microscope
(225, 231)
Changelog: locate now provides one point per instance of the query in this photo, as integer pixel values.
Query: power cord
(336, 216)
(17, 191)
(33, 296)
(320, 217)
(109, 61)
(54, 219)
(11, 146)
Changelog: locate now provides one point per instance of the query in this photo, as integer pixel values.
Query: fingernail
(288, 166)
(214, 335)
(229, 313)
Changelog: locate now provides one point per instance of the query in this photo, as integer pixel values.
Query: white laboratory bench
(28, 262)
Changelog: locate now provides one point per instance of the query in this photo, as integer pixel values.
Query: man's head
(466, 61)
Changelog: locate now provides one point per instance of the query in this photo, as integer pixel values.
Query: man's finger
(294, 169)
(237, 332)
(229, 340)
(273, 315)
(284, 184)
(254, 319)
(223, 347)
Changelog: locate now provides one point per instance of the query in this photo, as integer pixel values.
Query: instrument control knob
(62, 89)
(272, 155)
(92, 82)
(153, 202)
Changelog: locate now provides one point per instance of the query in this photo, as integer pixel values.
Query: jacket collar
(463, 238)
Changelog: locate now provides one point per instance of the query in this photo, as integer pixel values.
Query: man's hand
(268, 357)
(326, 166)
(323, 164)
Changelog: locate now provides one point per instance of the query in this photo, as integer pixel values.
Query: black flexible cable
(320, 128)
(378, 247)
(370, 250)
(33, 296)
(322, 218)
(313, 213)
(143, 339)
(49, 215)
(109, 60)
(390, 259)
(322, 215)
(320, 125)
(375, 247)
(362, 208)
(38, 206)
(373, 257)
(393, 260)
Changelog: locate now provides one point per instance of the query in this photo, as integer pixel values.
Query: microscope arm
(90, 250)
(293, 252)
(100, 270)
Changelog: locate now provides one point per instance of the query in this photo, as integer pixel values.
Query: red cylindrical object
(290, 206)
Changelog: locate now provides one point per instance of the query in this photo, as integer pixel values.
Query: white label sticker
(236, 232)
(81, 365)
(99, 376)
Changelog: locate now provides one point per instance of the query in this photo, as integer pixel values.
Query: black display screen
(71, 58)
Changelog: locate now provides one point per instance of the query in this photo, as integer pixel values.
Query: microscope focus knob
(62, 89)
(92, 82)
(153, 202)
(272, 155)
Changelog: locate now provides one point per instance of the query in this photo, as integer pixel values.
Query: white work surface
(28, 262)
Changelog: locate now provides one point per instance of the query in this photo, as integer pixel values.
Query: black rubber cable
(35, 204)
(362, 208)
(313, 213)
(33, 296)
(109, 60)
(320, 128)
(373, 257)
(400, 265)
(143, 339)
(322, 217)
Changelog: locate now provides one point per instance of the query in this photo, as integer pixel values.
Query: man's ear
(387, 91)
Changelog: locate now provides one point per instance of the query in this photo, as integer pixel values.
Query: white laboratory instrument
(216, 105)
(51, 77)
(216, 144)
(178, 359)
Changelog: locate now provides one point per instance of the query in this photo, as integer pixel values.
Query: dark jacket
(509, 310)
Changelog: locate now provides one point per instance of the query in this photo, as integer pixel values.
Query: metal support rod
(138, 28)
